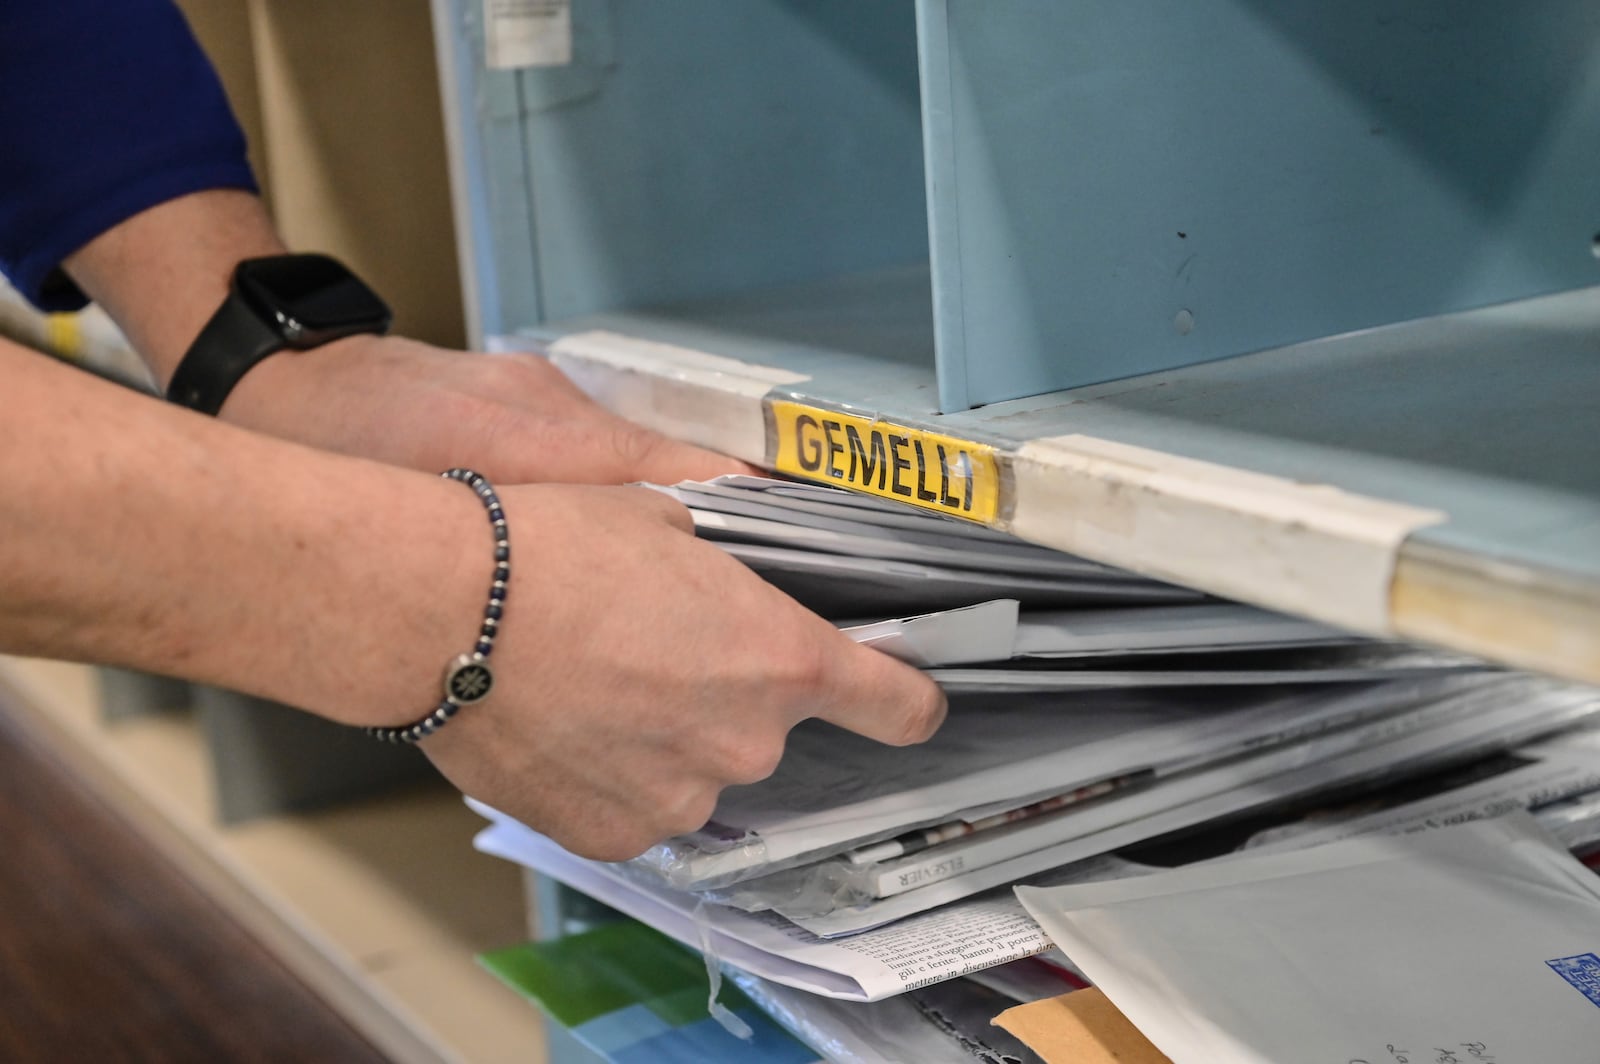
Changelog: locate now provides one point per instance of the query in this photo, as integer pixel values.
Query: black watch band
(232, 342)
(293, 301)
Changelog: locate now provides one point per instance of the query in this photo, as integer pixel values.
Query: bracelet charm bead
(468, 678)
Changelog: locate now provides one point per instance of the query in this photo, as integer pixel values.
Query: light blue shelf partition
(1123, 186)
(696, 149)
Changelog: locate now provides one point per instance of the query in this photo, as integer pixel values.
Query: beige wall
(340, 102)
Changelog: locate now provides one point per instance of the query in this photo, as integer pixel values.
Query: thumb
(874, 695)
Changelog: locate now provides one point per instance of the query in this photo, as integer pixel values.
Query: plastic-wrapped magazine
(835, 791)
(1575, 822)
(1446, 731)
(927, 856)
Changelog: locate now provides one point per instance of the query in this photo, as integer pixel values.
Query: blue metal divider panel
(1135, 185)
(703, 147)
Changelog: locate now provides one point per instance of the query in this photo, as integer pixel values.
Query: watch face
(312, 298)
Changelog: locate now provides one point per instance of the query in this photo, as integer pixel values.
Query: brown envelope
(1082, 1027)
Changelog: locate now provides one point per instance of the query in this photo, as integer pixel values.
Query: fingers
(605, 448)
(646, 455)
(874, 695)
(642, 454)
(668, 509)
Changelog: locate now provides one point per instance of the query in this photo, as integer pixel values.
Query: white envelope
(1475, 944)
(984, 632)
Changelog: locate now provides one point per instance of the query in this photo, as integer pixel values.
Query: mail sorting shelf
(1288, 301)
(1111, 189)
(1201, 275)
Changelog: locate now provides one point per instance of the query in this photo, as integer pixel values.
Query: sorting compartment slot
(1123, 188)
(701, 151)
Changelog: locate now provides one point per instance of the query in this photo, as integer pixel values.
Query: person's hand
(639, 671)
(514, 418)
(161, 273)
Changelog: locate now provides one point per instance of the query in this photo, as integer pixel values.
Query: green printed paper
(580, 977)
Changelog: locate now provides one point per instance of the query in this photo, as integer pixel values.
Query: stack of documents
(1001, 617)
(966, 919)
(1092, 710)
(848, 555)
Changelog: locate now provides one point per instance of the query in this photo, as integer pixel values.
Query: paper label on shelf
(1303, 548)
(527, 33)
(935, 472)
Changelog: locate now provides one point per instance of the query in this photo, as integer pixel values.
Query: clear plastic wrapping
(689, 862)
(1576, 822)
(947, 1023)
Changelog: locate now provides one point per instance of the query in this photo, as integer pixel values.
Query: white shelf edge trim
(1308, 549)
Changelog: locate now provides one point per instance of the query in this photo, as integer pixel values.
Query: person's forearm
(133, 533)
(639, 670)
(162, 273)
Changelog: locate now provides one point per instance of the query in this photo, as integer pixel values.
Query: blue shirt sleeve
(107, 108)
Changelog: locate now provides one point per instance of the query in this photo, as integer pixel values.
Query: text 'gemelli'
(926, 469)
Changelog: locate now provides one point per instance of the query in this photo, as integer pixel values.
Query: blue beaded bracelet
(467, 679)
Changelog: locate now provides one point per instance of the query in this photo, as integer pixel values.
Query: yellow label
(936, 472)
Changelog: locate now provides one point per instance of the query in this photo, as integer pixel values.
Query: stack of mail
(848, 555)
(1091, 710)
(1012, 617)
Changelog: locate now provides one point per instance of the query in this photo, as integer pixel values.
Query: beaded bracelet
(467, 678)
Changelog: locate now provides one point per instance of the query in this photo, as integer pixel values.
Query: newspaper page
(925, 949)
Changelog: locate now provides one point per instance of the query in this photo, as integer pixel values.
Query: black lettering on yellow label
(926, 469)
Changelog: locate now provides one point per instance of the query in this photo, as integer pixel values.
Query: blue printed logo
(1582, 971)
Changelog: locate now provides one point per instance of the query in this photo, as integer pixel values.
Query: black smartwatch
(293, 301)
